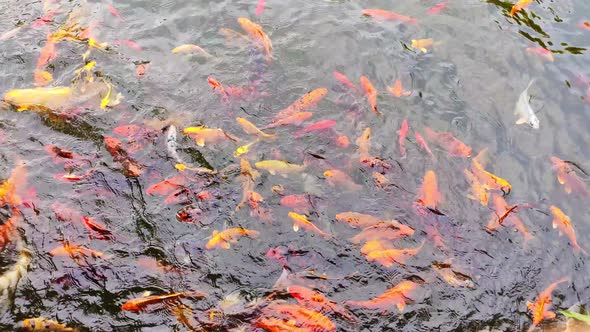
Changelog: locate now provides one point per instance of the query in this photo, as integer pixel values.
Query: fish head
(534, 122)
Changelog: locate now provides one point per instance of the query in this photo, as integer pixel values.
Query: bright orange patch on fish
(257, 35)
(317, 301)
(164, 187)
(387, 15)
(520, 5)
(301, 221)
(396, 296)
(429, 195)
(489, 180)
(75, 252)
(453, 146)
(345, 81)
(543, 52)
(370, 93)
(562, 222)
(387, 257)
(139, 304)
(300, 316)
(398, 90)
(304, 103)
(224, 238)
(540, 308)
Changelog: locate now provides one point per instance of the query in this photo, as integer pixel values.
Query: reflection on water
(314, 167)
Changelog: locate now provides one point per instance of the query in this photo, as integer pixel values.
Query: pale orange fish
(478, 192)
(295, 120)
(397, 296)
(224, 238)
(562, 222)
(383, 231)
(300, 221)
(387, 15)
(317, 301)
(257, 35)
(489, 180)
(543, 52)
(370, 93)
(272, 324)
(251, 129)
(355, 219)
(429, 195)
(337, 178)
(140, 303)
(364, 142)
(308, 319)
(48, 53)
(342, 141)
(420, 140)
(75, 251)
(422, 44)
(504, 214)
(452, 277)
(344, 80)
(568, 177)
(40, 324)
(42, 77)
(233, 37)
(398, 90)
(453, 146)
(12, 190)
(203, 135)
(403, 134)
(306, 102)
(520, 5)
(191, 49)
(388, 257)
(540, 309)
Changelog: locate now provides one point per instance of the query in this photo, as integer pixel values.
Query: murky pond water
(123, 213)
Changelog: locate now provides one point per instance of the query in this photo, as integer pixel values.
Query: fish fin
(401, 305)
(530, 305)
(296, 227)
(554, 225)
(521, 120)
(225, 245)
(568, 189)
(549, 315)
(215, 232)
(529, 85)
(424, 50)
(272, 172)
(200, 142)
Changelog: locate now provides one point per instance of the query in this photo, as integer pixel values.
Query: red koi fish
(397, 296)
(115, 148)
(403, 133)
(429, 196)
(101, 230)
(345, 81)
(436, 9)
(420, 140)
(299, 203)
(260, 7)
(129, 43)
(398, 90)
(386, 15)
(317, 301)
(321, 125)
(164, 187)
(453, 146)
(540, 308)
(48, 18)
(542, 52)
(370, 93)
(113, 11)
(304, 103)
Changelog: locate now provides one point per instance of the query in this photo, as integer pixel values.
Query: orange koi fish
(191, 49)
(48, 53)
(398, 296)
(562, 222)
(273, 324)
(364, 142)
(436, 9)
(139, 304)
(217, 87)
(141, 69)
(568, 177)
(93, 225)
(317, 301)
(113, 11)
(260, 7)
(429, 196)
(295, 120)
(320, 125)
(383, 231)
(503, 214)
(420, 140)
(203, 135)
(233, 37)
(115, 148)
(251, 129)
(388, 257)
(453, 146)
(299, 203)
(257, 35)
(380, 180)
(520, 5)
(9, 229)
(12, 190)
(398, 90)
(489, 180)
(540, 309)
(355, 219)
(58, 154)
(337, 178)
(582, 24)
(345, 81)
(300, 221)
(75, 251)
(43, 324)
(423, 44)
(542, 52)
(403, 133)
(224, 238)
(306, 102)
(306, 318)
(370, 93)
(342, 141)
(478, 192)
(386, 15)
